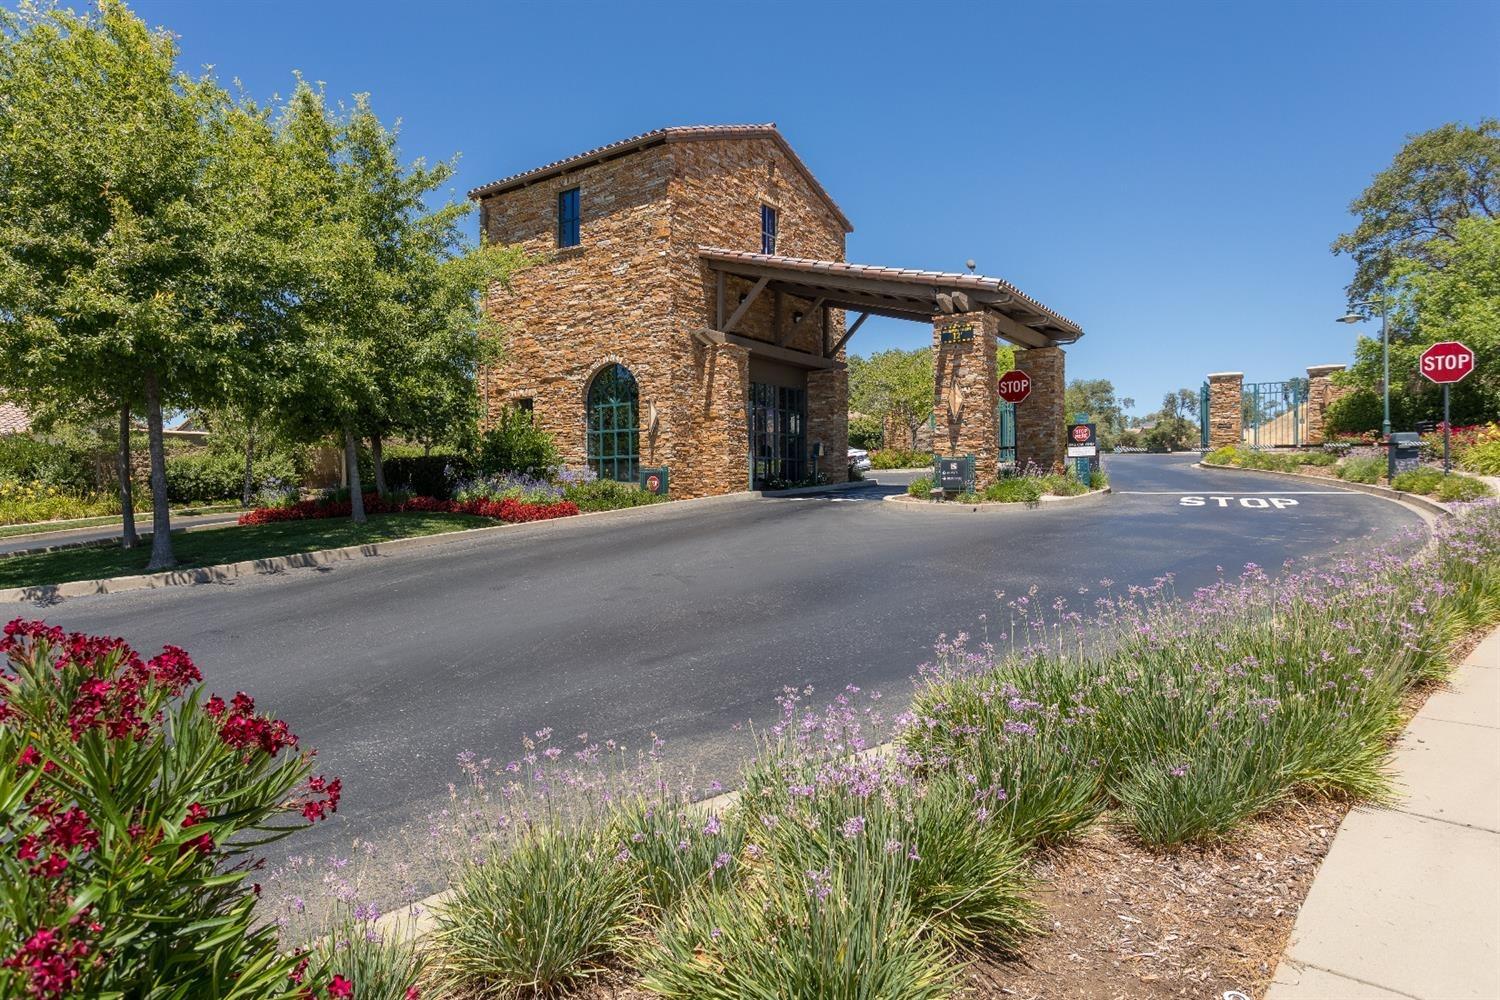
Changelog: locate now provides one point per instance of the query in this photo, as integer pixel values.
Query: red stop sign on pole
(1015, 386)
(1446, 362)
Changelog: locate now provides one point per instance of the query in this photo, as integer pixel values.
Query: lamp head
(1351, 317)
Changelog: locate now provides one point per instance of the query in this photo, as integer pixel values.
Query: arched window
(613, 434)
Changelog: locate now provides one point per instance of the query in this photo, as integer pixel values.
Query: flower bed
(507, 509)
(839, 872)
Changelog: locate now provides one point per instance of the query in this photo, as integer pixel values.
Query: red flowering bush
(129, 807)
(508, 509)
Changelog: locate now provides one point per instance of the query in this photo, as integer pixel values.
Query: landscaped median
(1027, 489)
(1359, 467)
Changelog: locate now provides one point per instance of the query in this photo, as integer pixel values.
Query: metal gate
(1274, 414)
(1203, 417)
(1007, 425)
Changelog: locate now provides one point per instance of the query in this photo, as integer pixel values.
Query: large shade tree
(112, 170)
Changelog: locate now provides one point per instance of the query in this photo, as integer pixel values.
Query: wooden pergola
(898, 293)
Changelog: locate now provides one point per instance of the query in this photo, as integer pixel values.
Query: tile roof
(13, 419)
(902, 275)
(672, 133)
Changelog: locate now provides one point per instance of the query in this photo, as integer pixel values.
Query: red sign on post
(1446, 362)
(1015, 386)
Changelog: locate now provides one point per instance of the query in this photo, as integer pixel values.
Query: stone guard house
(688, 309)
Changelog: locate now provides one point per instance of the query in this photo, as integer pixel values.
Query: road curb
(225, 572)
(1399, 496)
(903, 501)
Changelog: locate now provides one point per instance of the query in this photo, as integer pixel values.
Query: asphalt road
(682, 622)
(102, 532)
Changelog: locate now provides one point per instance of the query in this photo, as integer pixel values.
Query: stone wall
(1040, 420)
(965, 393)
(635, 290)
(1225, 408)
(1321, 392)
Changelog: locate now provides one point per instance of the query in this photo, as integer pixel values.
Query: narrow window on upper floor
(567, 218)
(767, 229)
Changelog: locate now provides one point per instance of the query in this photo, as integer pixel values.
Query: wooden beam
(739, 313)
(766, 349)
(847, 334)
(1018, 334)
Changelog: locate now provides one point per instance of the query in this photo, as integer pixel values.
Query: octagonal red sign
(1448, 361)
(1015, 386)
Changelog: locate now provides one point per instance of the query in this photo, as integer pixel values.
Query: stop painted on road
(1251, 503)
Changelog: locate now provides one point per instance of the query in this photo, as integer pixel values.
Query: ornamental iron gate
(1274, 414)
(1203, 417)
(1007, 425)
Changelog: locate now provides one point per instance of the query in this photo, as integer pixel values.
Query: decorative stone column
(1320, 393)
(1041, 422)
(966, 391)
(828, 422)
(1226, 391)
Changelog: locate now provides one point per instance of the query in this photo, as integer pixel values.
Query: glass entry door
(778, 435)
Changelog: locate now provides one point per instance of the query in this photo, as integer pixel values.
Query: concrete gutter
(48, 593)
(904, 501)
(1427, 504)
(1407, 902)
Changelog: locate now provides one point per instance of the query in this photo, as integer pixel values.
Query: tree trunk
(249, 463)
(379, 463)
(351, 462)
(161, 515)
(128, 538)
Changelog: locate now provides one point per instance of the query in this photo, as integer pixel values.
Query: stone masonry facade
(1321, 392)
(635, 292)
(965, 393)
(1041, 423)
(1225, 409)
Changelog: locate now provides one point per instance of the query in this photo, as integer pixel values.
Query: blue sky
(1168, 175)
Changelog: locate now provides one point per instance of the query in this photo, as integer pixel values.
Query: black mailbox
(1404, 453)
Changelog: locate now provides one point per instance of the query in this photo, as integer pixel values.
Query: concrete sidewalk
(1407, 903)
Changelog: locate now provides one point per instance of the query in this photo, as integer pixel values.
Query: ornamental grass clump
(674, 847)
(129, 810)
(1188, 717)
(351, 953)
(535, 915)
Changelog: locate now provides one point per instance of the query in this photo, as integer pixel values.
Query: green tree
(109, 207)
(896, 384)
(1412, 209)
(1096, 397)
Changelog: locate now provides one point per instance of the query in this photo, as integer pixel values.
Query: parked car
(859, 459)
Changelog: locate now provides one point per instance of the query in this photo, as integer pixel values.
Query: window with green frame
(613, 428)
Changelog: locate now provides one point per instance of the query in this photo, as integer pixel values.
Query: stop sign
(1448, 361)
(1015, 386)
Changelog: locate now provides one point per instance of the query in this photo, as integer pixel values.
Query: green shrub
(841, 931)
(516, 444)
(536, 916)
(427, 475)
(1359, 412)
(209, 474)
(1014, 489)
(1171, 434)
(675, 848)
(1319, 458)
(28, 503)
(1062, 485)
(131, 807)
(1098, 480)
(378, 966)
(1423, 480)
(920, 487)
(66, 465)
(1461, 488)
(865, 432)
(607, 494)
(1482, 458)
(900, 458)
(1361, 470)
(1226, 455)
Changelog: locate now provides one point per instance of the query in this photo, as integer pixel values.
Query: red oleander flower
(340, 987)
(203, 844)
(49, 962)
(29, 757)
(316, 809)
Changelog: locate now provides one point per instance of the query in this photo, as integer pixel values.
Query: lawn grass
(142, 520)
(232, 543)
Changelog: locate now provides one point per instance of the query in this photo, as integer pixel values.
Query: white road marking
(1250, 501)
(1262, 493)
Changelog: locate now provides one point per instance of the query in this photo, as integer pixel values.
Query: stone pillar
(1320, 392)
(966, 389)
(828, 422)
(717, 459)
(1226, 392)
(1041, 423)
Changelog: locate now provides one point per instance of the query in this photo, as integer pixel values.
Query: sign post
(1083, 444)
(1445, 363)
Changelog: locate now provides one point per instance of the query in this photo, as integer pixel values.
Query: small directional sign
(1083, 441)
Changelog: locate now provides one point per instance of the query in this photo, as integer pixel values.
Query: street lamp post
(1385, 352)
